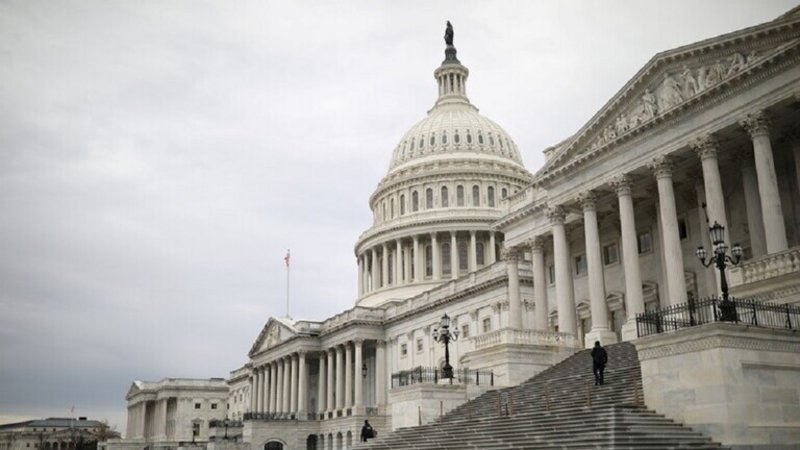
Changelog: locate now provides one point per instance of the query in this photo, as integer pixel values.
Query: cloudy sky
(158, 158)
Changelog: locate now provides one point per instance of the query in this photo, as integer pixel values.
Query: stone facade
(532, 267)
(54, 434)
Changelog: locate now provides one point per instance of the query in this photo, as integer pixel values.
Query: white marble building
(531, 267)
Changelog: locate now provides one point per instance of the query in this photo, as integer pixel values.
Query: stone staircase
(558, 408)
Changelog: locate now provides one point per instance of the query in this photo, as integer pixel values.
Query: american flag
(287, 258)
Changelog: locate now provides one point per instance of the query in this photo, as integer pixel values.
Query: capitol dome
(446, 184)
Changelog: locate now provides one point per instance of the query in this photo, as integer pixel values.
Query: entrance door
(273, 446)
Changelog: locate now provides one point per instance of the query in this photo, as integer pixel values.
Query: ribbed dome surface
(454, 129)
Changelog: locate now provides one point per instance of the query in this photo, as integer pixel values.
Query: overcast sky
(158, 158)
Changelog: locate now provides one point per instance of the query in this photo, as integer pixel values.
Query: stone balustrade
(768, 266)
(511, 336)
(357, 313)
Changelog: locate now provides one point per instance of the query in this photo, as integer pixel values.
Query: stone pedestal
(737, 384)
(423, 403)
(605, 336)
(629, 332)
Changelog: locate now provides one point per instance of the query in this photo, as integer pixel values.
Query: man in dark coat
(367, 431)
(599, 360)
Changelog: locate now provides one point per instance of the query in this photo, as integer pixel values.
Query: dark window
(480, 139)
(504, 193)
(645, 241)
(197, 406)
(444, 137)
(683, 231)
(610, 254)
(446, 270)
(213, 406)
(429, 198)
(490, 196)
(479, 253)
(580, 264)
(414, 201)
(469, 138)
(456, 138)
(476, 196)
(445, 200)
(433, 140)
(551, 273)
(463, 254)
(428, 261)
(402, 204)
(460, 195)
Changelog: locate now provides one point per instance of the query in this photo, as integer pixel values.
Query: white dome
(453, 131)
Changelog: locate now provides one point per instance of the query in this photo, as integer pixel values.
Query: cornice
(376, 234)
(520, 214)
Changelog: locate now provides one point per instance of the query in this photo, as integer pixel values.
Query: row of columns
(764, 214)
(280, 386)
(408, 261)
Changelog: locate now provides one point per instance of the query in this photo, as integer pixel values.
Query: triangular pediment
(274, 332)
(673, 81)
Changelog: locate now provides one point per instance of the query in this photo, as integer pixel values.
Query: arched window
(459, 195)
(446, 270)
(490, 195)
(383, 210)
(463, 254)
(469, 138)
(500, 141)
(456, 138)
(445, 201)
(476, 195)
(504, 193)
(422, 142)
(491, 140)
(480, 139)
(444, 137)
(433, 140)
(402, 204)
(479, 253)
(429, 198)
(391, 208)
(428, 261)
(414, 140)
(414, 201)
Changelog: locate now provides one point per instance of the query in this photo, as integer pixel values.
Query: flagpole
(287, 259)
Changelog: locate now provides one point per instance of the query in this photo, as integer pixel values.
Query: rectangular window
(683, 230)
(195, 429)
(610, 254)
(403, 350)
(197, 406)
(487, 324)
(464, 331)
(645, 242)
(580, 265)
(551, 273)
(419, 345)
(213, 406)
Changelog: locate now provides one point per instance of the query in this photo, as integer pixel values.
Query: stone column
(473, 252)
(492, 243)
(348, 375)
(415, 258)
(253, 385)
(322, 391)
(752, 203)
(273, 389)
(673, 256)
(287, 385)
(453, 255)
(302, 382)
(706, 148)
(398, 263)
(511, 255)
(339, 377)
(540, 309)
(359, 385)
(597, 287)
(564, 289)
(279, 387)
(360, 276)
(375, 275)
(258, 376)
(757, 125)
(634, 301)
(407, 264)
(436, 257)
(380, 373)
(265, 390)
(384, 265)
(331, 386)
(254, 393)
(706, 275)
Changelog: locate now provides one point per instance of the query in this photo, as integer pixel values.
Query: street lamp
(443, 334)
(721, 259)
(226, 422)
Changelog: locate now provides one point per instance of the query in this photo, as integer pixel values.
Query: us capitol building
(531, 267)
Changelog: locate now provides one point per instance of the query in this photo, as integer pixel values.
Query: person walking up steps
(599, 360)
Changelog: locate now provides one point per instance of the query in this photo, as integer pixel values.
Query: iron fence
(213, 423)
(698, 312)
(433, 375)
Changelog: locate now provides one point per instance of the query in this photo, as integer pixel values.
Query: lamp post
(226, 422)
(721, 259)
(443, 334)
